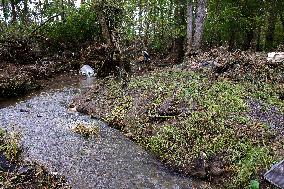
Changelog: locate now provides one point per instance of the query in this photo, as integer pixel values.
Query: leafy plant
(254, 184)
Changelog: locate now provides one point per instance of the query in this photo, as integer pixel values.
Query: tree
(189, 25)
(199, 24)
(194, 36)
(25, 15)
(5, 10)
(14, 13)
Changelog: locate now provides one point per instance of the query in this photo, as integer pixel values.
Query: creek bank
(15, 173)
(18, 79)
(199, 122)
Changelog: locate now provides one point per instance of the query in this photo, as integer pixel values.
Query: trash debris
(276, 174)
(87, 70)
(275, 57)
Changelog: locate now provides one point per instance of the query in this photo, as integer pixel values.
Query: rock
(275, 57)
(72, 108)
(24, 170)
(87, 70)
(5, 165)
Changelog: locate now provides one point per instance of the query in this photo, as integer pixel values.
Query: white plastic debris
(146, 56)
(87, 70)
(275, 56)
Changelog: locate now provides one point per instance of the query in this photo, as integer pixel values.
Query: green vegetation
(9, 145)
(254, 184)
(238, 24)
(180, 114)
(86, 131)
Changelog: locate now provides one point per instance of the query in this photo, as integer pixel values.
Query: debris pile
(31, 175)
(237, 65)
(23, 63)
(104, 59)
(21, 51)
(15, 173)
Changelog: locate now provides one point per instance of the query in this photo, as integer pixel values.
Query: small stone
(5, 165)
(24, 170)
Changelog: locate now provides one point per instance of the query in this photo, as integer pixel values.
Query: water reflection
(86, 82)
(53, 84)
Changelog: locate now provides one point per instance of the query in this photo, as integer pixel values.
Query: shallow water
(107, 161)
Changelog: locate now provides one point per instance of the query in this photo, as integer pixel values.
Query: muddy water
(107, 161)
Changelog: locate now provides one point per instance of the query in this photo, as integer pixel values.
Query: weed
(86, 131)
(9, 144)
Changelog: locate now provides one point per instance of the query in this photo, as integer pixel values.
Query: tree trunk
(14, 13)
(218, 41)
(199, 24)
(62, 11)
(26, 12)
(282, 20)
(140, 18)
(177, 50)
(272, 18)
(189, 25)
(103, 22)
(5, 13)
(232, 39)
(255, 44)
(249, 36)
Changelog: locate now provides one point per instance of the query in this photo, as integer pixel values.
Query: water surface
(107, 161)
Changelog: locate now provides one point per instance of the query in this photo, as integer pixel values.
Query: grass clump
(9, 145)
(86, 131)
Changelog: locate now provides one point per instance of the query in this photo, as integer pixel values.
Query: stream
(107, 161)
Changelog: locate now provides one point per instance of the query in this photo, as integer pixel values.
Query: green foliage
(80, 25)
(218, 125)
(16, 31)
(254, 184)
(254, 158)
(241, 24)
(9, 144)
